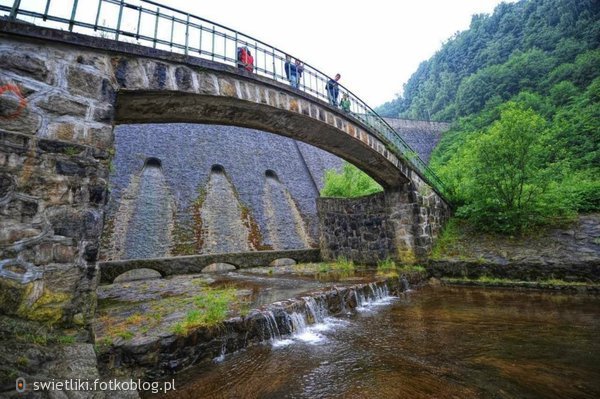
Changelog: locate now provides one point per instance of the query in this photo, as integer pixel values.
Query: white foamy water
(373, 304)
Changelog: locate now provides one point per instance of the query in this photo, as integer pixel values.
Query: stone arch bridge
(64, 94)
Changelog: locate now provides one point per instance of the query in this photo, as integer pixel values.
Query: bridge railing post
(73, 13)
(45, 17)
(119, 20)
(15, 9)
(187, 34)
(156, 26)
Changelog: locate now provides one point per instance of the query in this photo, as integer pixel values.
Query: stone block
(63, 253)
(158, 75)
(13, 232)
(60, 105)
(183, 79)
(92, 224)
(70, 168)
(86, 83)
(26, 64)
(101, 137)
(104, 114)
(207, 84)
(17, 117)
(98, 192)
(90, 252)
(7, 184)
(65, 131)
(227, 88)
(43, 253)
(66, 222)
(128, 73)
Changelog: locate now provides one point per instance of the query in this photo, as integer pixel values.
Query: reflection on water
(434, 343)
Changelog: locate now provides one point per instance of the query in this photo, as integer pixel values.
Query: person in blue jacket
(333, 90)
(291, 72)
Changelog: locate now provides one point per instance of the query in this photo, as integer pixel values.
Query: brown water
(434, 343)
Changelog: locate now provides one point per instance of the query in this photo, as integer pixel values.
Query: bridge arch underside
(138, 106)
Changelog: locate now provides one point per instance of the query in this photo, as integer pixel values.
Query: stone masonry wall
(401, 224)
(355, 228)
(422, 136)
(55, 138)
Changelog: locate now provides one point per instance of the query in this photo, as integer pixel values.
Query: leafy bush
(352, 182)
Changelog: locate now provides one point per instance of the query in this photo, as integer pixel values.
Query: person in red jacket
(245, 59)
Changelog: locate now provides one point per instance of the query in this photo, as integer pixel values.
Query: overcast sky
(375, 44)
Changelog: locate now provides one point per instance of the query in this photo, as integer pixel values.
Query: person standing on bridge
(345, 103)
(291, 72)
(333, 90)
(245, 59)
(299, 69)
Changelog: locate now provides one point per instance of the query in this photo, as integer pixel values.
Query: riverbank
(569, 253)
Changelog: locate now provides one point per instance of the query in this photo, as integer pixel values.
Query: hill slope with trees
(522, 88)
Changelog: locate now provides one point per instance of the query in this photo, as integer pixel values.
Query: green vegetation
(126, 335)
(386, 265)
(212, 307)
(343, 264)
(503, 281)
(388, 268)
(411, 268)
(522, 87)
(524, 46)
(352, 182)
(71, 151)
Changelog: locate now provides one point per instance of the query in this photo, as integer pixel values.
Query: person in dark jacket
(333, 90)
(291, 72)
(300, 69)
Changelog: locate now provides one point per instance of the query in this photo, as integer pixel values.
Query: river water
(436, 342)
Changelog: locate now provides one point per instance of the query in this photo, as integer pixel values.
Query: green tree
(504, 172)
(352, 182)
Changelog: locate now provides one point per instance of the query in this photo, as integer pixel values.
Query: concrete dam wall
(185, 189)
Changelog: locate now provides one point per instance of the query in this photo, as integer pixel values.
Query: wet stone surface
(148, 328)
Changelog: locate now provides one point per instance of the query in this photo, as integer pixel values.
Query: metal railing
(151, 24)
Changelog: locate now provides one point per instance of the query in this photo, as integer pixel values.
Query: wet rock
(218, 267)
